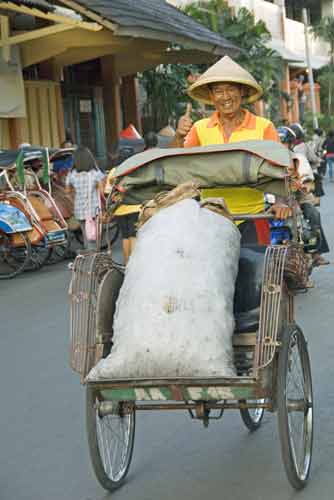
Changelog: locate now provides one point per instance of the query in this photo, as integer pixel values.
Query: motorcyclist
(305, 195)
(302, 147)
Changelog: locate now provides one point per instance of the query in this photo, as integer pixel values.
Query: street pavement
(43, 451)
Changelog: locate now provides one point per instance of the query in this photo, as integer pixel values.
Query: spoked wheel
(110, 439)
(252, 417)
(13, 259)
(62, 252)
(39, 256)
(295, 406)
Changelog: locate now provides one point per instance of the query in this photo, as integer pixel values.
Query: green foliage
(165, 86)
(325, 121)
(325, 31)
(251, 36)
(325, 78)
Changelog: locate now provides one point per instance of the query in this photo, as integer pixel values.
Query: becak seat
(247, 297)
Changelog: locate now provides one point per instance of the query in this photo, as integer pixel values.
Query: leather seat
(247, 297)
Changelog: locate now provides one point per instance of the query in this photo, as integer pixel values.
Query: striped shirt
(86, 201)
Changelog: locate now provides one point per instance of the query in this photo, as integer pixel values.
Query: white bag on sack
(174, 315)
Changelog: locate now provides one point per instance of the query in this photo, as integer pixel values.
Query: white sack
(174, 314)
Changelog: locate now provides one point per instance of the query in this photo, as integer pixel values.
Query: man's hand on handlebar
(281, 211)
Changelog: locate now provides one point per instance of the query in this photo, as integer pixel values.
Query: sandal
(310, 283)
(320, 261)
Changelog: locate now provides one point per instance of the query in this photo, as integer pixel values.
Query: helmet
(298, 130)
(286, 135)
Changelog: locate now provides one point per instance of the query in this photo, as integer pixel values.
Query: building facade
(283, 19)
(68, 68)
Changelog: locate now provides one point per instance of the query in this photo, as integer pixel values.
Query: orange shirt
(239, 199)
(210, 131)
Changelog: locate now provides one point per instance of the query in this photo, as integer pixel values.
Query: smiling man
(227, 87)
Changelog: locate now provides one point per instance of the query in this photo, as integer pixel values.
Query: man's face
(226, 97)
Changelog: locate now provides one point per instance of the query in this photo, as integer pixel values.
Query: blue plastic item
(279, 232)
(12, 220)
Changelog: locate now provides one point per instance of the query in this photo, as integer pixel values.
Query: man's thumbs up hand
(185, 123)
(188, 110)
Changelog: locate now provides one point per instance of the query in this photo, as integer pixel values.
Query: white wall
(271, 14)
(327, 8)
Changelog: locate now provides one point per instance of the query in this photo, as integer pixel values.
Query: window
(294, 10)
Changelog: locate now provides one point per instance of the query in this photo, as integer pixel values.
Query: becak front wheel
(110, 440)
(295, 406)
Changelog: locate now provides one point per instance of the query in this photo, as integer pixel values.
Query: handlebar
(253, 217)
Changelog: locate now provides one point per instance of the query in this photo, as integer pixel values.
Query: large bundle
(174, 315)
(262, 164)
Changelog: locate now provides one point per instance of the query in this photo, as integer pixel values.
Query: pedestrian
(329, 153)
(318, 146)
(85, 179)
(318, 141)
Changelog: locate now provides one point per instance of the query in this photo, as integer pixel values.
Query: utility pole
(310, 71)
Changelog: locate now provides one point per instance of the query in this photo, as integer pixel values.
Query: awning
(155, 20)
(285, 53)
(294, 59)
(317, 62)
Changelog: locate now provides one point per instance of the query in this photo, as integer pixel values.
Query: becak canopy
(225, 71)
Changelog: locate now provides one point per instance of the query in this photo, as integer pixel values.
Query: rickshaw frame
(29, 210)
(273, 344)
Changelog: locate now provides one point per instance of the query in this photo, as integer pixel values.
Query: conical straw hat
(225, 70)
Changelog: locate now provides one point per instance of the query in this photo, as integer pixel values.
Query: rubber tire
(282, 411)
(39, 256)
(95, 456)
(24, 264)
(247, 419)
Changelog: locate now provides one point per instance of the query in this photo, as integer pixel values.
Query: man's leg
(126, 245)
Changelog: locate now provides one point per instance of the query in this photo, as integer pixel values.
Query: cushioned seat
(248, 288)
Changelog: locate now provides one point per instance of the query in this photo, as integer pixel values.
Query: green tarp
(261, 164)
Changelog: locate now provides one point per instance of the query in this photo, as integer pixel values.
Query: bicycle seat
(247, 297)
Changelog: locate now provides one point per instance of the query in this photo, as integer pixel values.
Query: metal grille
(88, 271)
(270, 304)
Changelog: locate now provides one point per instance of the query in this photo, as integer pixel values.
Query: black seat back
(249, 280)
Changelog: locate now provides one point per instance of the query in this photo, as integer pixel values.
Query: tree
(165, 85)
(251, 36)
(325, 31)
(165, 88)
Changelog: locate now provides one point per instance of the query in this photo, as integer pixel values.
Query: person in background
(66, 144)
(85, 179)
(127, 215)
(306, 198)
(61, 166)
(328, 146)
(318, 146)
(318, 141)
(302, 147)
